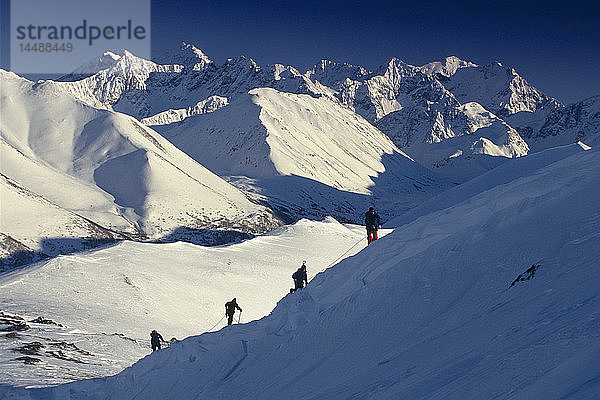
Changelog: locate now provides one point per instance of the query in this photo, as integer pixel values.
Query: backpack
(295, 275)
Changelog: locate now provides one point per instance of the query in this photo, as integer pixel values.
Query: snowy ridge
(576, 122)
(144, 89)
(106, 61)
(496, 177)
(286, 150)
(49, 229)
(498, 88)
(414, 107)
(188, 56)
(447, 67)
(333, 74)
(202, 107)
(307, 151)
(131, 288)
(391, 322)
(104, 88)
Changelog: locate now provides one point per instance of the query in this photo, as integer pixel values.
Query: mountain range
(180, 148)
(479, 111)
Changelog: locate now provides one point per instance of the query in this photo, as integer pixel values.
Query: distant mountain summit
(576, 122)
(188, 56)
(447, 67)
(498, 88)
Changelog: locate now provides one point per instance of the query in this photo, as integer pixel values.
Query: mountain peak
(332, 73)
(194, 50)
(107, 60)
(396, 67)
(243, 62)
(324, 65)
(187, 55)
(130, 63)
(447, 67)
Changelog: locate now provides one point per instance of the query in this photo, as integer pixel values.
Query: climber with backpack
(300, 277)
(155, 339)
(230, 307)
(372, 223)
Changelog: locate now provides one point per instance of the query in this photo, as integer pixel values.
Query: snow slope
(498, 176)
(428, 312)
(292, 148)
(109, 300)
(109, 169)
(33, 227)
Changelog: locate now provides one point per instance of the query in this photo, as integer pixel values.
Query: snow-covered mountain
(417, 107)
(444, 134)
(305, 155)
(447, 67)
(498, 88)
(487, 289)
(491, 107)
(187, 56)
(145, 89)
(576, 122)
(211, 104)
(34, 228)
(493, 296)
(451, 116)
(83, 173)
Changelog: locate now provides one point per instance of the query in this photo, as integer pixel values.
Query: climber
(372, 223)
(155, 339)
(300, 277)
(230, 307)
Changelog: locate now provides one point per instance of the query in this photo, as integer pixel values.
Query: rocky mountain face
(416, 109)
(498, 88)
(455, 113)
(154, 91)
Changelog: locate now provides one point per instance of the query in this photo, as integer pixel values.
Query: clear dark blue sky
(555, 46)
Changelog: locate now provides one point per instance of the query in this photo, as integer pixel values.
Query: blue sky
(555, 46)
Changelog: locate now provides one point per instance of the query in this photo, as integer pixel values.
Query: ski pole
(239, 317)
